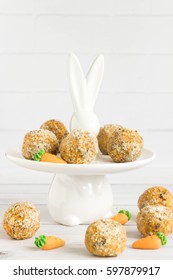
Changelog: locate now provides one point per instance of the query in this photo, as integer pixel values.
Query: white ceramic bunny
(84, 93)
(76, 199)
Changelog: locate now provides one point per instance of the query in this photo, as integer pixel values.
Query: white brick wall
(136, 39)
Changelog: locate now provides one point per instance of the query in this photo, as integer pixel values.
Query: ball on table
(105, 238)
(21, 220)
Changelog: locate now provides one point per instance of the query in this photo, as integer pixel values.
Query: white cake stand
(80, 193)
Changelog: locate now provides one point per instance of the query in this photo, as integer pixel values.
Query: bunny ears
(84, 90)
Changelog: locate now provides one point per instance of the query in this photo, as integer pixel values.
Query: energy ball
(21, 220)
(37, 140)
(57, 127)
(104, 134)
(153, 219)
(105, 238)
(156, 196)
(79, 147)
(125, 145)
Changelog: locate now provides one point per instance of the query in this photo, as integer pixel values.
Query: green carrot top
(40, 241)
(38, 155)
(129, 215)
(162, 238)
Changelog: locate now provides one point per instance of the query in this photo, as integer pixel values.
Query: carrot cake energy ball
(153, 219)
(105, 238)
(104, 134)
(37, 140)
(125, 145)
(21, 220)
(57, 127)
(156, 196)
(79, 147)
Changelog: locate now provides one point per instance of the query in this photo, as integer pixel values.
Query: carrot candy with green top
(47, 157)
(48, 242)
(155, 241)
(122, 217)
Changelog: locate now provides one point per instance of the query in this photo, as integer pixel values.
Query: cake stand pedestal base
(81, 193)
(79, 199)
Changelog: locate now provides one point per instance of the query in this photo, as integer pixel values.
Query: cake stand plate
(80, 193)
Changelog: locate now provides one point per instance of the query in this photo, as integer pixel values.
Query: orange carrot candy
(154, 241)
(48, 242)
(122, 217)
(47, 157)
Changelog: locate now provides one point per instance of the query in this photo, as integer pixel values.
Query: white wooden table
(125, 197)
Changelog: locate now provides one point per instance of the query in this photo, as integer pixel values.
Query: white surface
(125, 198)
(101, 166)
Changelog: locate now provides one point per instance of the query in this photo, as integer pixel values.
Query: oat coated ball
(156, 195)
(153, 219)
(37, 140)
(125, 145)
(104, 134)
(57, 127)
(105, 238)
(79, 147)
(21, 220)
